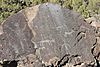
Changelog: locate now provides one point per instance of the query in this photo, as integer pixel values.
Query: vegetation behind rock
(86, 8)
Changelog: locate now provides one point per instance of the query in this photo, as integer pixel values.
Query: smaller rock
(89, 20)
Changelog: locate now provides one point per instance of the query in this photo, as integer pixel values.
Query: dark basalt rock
(15, 39)
(60, 35)
(61, 31)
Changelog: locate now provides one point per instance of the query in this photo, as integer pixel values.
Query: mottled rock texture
(15, 39)
(55, 36)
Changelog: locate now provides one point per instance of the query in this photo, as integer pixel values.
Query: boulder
(55, 35)
(60, 31)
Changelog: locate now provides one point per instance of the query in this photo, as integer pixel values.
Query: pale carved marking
(46, 41)
(68, 33)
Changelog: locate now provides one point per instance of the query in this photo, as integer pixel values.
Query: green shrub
(86, 8)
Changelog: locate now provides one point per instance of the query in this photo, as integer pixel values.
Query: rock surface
(15, 38)
(48, 35)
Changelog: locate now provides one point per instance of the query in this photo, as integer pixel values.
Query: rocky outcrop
(15, 37)
(48, 35)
